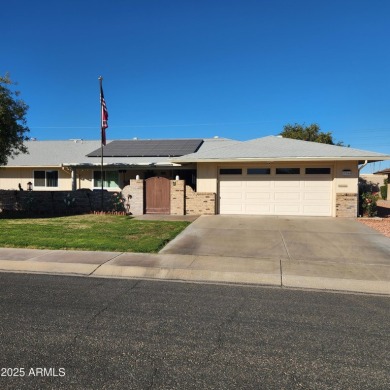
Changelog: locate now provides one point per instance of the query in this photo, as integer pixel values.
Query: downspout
(361, 167)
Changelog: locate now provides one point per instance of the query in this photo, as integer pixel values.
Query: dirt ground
(381, 224)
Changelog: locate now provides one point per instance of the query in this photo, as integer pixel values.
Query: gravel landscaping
(381, 224)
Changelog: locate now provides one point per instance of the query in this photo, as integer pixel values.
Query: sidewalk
(326, 275)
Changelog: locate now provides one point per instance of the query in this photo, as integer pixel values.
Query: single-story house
(384, 174)
(375, 179)
(267, 176)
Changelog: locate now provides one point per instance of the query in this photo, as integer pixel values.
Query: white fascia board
(168, 164)
(31, 166)
(349, 158)
(147, 164)
(275, 159)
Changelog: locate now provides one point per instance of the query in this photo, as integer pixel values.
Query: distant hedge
(383, 192)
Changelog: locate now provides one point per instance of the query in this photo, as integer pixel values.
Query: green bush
(118, 202)
(383, 192)
(368, 204)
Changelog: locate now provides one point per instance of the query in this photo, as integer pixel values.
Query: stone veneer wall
(177, 197)
(133, 194)
(184, 200)
(199, 203)
(346, 205)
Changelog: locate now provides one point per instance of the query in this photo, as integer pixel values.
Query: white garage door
(306, 192)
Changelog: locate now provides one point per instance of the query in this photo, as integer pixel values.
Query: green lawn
(89, 232)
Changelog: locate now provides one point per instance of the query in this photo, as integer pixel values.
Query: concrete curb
(47, 267)
(348, 285)
(186, 274)
(318, 275)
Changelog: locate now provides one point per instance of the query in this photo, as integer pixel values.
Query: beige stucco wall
(11, 177)
(84, 178)
(206, 180)
(343, 180)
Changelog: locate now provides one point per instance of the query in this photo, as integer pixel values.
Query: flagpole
(101, 152)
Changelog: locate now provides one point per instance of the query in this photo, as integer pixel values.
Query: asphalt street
(59, 332)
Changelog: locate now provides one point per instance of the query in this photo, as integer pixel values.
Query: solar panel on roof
(149, 148)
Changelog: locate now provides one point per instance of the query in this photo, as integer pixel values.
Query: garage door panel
(287, 196)
(287, 183)
(287, 209)
(316, 210)
(262, 196)
(316, 196)
(317, 187)
(259, 209)
(232, 208)
(316, 184)
(257, 201)
(258, 184)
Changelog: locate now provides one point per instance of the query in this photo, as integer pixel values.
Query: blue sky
(238, 69)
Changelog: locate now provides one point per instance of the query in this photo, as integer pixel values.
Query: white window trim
(46, 186)
(104, 187)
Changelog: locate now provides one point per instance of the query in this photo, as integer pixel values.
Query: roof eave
(32, 166)
(284, 159)
(118, 165)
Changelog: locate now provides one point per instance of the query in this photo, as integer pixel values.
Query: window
(39, 178)
(288, 171)
(45, 178)
(258, 171)
(110, 179)
(230, 171)
(51, 179)
(317, 171)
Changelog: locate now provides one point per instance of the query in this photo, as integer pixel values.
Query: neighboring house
(385, 173)
(266, 176)
(375, 180)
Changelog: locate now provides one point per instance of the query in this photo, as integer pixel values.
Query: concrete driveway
(283, 238)
(316, 253)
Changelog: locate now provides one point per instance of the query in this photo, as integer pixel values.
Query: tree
(311, 133)
(13, 127)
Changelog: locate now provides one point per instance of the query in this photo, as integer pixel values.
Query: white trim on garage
(270, 191)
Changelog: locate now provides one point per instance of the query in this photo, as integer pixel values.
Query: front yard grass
(89, 232)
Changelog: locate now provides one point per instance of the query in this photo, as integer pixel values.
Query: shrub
(369, 203)
(383, 192)
(118, 202)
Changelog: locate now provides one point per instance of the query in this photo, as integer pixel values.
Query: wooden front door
(157, 195)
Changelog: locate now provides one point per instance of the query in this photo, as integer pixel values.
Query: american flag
(104, 118)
